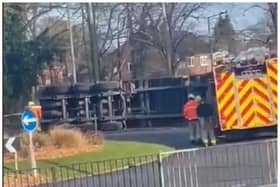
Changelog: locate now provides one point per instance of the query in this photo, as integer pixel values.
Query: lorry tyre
(50, 104)
(51, 114)
(111, 126)
(61, 89)
(106, 86)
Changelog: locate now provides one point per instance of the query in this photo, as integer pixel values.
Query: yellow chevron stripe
(261, 111)
(225, 99)
(264, 91)
(230, 122)
(264, 102)
(247, 100)
(244, 90)
(254, 122)
(273, 87)
(221, 90)
(247, 115)
(230, 108)
(245, 103)
(258, 86)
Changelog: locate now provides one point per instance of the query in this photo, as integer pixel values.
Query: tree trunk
(89, 20)
(167, 40)
(95, 48)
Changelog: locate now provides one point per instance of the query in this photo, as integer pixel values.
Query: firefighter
(205, 115)
(37, 111)
(190, 115)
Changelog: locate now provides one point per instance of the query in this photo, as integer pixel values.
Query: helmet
(31, 103)
(190, 96)
(198, 98)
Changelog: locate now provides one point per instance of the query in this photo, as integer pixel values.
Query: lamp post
(72, 45)
(209, 34)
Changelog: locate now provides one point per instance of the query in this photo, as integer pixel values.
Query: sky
(240, 18)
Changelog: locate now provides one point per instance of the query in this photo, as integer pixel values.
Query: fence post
(268, 163)
(161, 175)
(53, 173)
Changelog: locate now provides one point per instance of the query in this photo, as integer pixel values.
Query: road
(176, 137)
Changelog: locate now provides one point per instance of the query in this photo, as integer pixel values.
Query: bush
(95, 138)
(39, 140)
(67, 137)
(61, 138)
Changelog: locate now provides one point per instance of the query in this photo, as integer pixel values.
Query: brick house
(200, 64)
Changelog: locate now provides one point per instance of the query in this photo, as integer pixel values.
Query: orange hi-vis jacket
(37, 111)
(190, 110)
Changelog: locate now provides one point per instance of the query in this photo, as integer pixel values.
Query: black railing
(126, 172)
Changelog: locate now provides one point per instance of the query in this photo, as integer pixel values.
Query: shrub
(67, 137)
(95, 138)
(39, 140)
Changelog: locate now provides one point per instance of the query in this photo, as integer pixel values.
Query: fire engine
(246, 96)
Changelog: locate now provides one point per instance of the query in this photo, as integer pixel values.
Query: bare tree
(270, 11)
(158, 26)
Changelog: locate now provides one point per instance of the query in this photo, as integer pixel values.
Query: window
(128, 67)
(190, 62)
(204, 60)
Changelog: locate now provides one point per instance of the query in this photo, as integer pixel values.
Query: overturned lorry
(119, 104)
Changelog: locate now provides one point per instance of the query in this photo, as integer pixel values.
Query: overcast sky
(239, 18)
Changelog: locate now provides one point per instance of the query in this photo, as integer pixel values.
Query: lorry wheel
(61, 89)
(51, 114)
(50, 104)
(105, 86)
(111, 126)
(82, 88)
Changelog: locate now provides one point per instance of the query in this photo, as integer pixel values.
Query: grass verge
(114, 156)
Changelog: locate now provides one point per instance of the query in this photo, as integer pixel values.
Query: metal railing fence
(231, 165)
(125, 172)
(241, 164)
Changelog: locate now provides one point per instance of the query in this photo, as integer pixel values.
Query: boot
(205, 142)
(213, 142)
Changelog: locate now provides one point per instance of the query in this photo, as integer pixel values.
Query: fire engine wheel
(235, 136)
(111, 126)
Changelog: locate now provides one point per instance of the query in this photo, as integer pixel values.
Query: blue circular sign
(29, 121)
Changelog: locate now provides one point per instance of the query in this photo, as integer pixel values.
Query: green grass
(112, 150)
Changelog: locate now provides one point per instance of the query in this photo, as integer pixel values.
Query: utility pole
(168, 40)
(210, 43)
(72, 46)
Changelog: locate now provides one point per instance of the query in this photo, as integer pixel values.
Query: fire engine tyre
(236, 136)
(51, 114)
(111, 126)
(50, 104)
